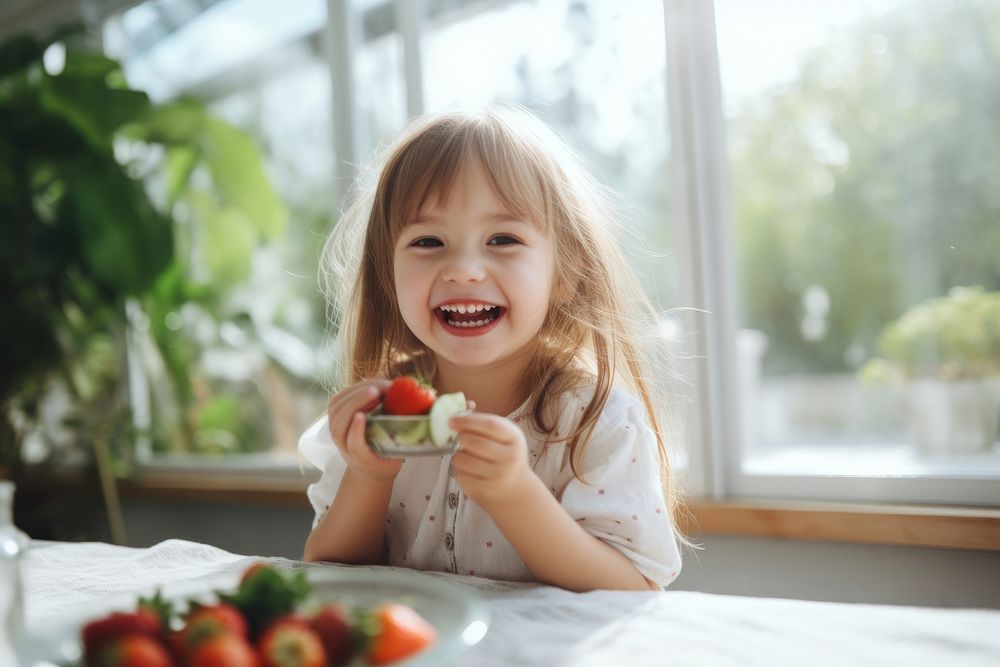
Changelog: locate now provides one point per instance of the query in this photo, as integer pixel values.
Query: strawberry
(267, 595)
(99, 633)
(402, 632)
(134, 651)
(224, 651)
(206, 622)
(290, 642)
(335, 633)
(252, 570)
(409, 396)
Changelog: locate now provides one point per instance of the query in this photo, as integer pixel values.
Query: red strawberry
(97, 634)
(290, 642)
(403, 632)
(335, 633)
(224, 651)
(205, 623)
(135, 651)
(409, 396)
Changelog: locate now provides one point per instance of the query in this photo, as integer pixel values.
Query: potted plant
(104, 197)
(946, 351)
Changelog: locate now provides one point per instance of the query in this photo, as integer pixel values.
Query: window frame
(703, 219)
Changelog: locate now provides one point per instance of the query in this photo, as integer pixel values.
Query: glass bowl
(394, 436)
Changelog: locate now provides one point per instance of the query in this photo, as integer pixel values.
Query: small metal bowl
(394, 436)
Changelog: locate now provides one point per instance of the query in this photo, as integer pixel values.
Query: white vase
(954, 416)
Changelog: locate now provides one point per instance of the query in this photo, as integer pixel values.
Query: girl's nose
(462, 267)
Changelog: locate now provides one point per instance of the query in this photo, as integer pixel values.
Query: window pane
(381, 98)
(244, 374)
(864, 146)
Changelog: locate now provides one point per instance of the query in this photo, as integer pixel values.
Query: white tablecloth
(542, 625)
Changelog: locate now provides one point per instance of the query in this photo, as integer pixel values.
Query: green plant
(105, 199)
(952, 337)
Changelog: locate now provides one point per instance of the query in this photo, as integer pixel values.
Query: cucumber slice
(415, 434)
(444, 407)
(376, 434)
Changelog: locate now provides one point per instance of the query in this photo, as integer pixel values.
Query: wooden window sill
(901, 525)
(949, 527)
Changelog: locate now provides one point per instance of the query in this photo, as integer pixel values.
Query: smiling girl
(485, 264)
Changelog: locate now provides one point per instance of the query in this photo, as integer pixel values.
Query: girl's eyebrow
(500, 216)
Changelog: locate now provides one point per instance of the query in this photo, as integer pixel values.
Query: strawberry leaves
(266, 595)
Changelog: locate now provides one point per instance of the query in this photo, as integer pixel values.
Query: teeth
(466, 307)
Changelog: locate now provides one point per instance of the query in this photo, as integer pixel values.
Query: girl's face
(473, 281)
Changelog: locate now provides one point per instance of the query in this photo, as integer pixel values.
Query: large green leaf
(179, 164)
(178, 122)
(238, 173)
(83, 95)
(227, 239)
(86, 64)
(126, 242)
(17, 53)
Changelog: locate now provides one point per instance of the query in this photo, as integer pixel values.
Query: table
(542, 625)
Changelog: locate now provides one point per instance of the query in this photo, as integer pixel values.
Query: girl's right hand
(346, 416)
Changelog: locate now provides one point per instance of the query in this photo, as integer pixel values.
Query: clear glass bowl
(398, 436)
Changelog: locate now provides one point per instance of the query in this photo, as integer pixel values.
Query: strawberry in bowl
(275, 618)
(413, 419)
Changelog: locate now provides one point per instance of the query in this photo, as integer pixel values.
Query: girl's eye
(425, 242)
(502, 239)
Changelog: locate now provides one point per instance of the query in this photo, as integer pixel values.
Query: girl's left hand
(492, 459)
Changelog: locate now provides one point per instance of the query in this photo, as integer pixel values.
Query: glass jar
(12, 545)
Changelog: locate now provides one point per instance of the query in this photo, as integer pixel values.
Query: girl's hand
(492, 460)
(346, 415)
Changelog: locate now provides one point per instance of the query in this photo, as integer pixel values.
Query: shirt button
(449, 541)
(453, 500)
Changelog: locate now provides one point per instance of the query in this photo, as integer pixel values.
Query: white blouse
(433, 525)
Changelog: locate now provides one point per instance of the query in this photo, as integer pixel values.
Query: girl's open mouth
(466, 321)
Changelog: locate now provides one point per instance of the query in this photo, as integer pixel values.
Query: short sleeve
(317, 447)
(620, 499)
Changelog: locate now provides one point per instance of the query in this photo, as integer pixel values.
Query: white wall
(843, 572)
(727, 565)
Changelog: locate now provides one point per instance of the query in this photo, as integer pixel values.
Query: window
(814, 204)
(243, 372)
(863, 157)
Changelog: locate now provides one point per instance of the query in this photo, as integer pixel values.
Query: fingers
(362, 397)
(490, 426)
(359, 396)
(467, 465)
(481, 447)
(361, 458)
(357, 446)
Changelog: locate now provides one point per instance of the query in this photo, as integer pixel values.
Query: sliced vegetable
(444, 408)
(415, 434)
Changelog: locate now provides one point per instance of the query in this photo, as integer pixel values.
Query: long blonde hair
(593, 328)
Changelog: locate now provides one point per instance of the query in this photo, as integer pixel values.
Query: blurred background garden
(169, 169)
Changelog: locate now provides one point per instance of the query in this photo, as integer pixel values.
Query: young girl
(486, 267)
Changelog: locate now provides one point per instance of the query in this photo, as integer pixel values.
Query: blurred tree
(870, 183)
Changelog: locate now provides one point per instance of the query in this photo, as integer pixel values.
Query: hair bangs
(431, 164)
(516, 178)
(427, 168)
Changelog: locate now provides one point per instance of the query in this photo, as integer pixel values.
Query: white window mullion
(701, 217)
(409, 18)
(342, 36)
